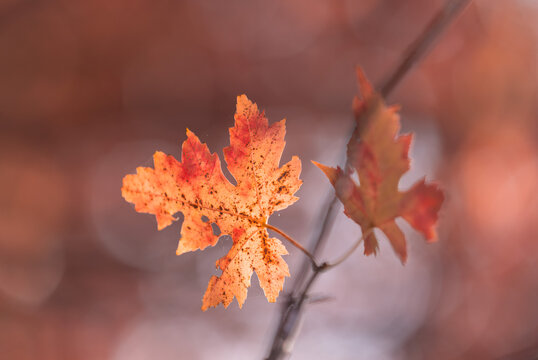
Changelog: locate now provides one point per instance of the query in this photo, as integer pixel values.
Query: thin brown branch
(294, 243)
(292, 309)
(292, 313)
(329, 212)
(422, 44)
(350, 251)
(285, 332)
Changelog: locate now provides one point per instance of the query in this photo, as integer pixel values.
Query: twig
(350, 251)
(292, 309)
(421, 45)
(294, 243)
(291, 314)
(285, 331)
(329, 212)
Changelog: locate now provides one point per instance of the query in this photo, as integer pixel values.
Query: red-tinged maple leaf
(380, 157)
(197, 187)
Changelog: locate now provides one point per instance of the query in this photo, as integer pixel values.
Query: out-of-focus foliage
(379, 156)
(91, 88)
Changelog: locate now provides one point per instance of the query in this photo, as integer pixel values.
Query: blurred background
(90, 89)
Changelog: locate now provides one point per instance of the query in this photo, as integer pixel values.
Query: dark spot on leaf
(283, 175)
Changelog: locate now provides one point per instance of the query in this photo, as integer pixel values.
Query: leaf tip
(333, 174)
(432, 237)
(326, 169)
(322, 167)
(371, 246)
(365, 86)
(244, 103)
(242, 98)
(189, 133)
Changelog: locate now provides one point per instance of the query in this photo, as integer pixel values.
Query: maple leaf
(197, 187)
(380, 158)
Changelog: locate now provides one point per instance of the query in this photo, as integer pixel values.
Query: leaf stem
(294, 243)
(350, 251)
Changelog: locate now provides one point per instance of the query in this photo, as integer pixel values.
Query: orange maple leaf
(380, 158)
(197, 187)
